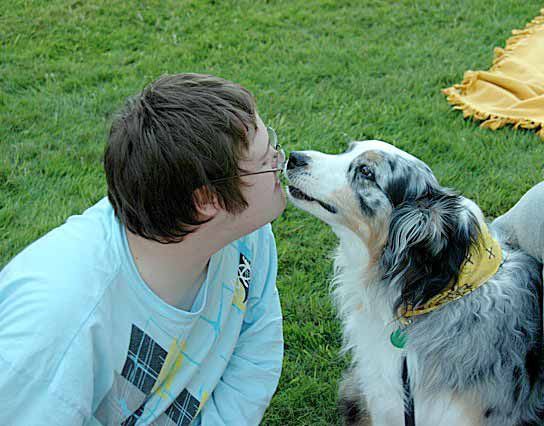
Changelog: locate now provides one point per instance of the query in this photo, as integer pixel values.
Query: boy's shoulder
(258, 261)
(257, 246)
(258, 239)
(49, 289)
(84, 245)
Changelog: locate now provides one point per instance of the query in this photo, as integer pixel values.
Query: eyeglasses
(278, 161)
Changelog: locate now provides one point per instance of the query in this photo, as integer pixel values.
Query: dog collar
(482, 262)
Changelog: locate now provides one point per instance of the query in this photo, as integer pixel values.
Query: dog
(404, 242)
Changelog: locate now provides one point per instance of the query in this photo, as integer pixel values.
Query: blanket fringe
(494, 121)
(517, 38)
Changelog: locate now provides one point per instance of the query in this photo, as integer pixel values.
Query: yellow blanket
(512, 91)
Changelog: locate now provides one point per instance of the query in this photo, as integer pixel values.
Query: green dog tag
(398, 338)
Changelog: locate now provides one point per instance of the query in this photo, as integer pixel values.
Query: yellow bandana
(482, 262)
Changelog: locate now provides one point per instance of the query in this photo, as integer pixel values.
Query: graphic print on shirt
(241, 287)
(141, 376)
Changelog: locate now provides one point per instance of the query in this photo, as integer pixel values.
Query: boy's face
(265, 195)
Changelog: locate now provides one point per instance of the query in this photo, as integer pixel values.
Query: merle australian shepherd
(402, 241)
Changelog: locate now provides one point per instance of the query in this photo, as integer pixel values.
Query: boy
(157, 305)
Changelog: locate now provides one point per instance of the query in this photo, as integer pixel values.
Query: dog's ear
(429, 237)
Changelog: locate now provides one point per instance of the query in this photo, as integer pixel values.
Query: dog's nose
(297, 159)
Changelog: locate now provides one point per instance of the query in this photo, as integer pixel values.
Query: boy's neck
(175, 272)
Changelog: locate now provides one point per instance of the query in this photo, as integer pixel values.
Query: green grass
(324, 72)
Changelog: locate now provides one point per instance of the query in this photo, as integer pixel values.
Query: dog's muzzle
(298, 160)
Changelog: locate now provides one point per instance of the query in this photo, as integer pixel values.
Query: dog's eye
(366, 171)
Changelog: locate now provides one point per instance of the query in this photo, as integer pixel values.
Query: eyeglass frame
(279, 153)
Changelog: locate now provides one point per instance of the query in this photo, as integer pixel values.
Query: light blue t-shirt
(84, 341)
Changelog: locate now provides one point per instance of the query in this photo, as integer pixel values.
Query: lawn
(324, 73)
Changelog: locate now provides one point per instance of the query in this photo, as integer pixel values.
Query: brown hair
(182, 132)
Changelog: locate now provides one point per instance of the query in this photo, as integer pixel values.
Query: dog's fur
(403, 238)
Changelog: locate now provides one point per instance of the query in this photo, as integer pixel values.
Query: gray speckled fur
(487, 345)
(480, 344)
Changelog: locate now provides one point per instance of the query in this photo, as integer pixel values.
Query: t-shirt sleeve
(28, 400)
(46, 363)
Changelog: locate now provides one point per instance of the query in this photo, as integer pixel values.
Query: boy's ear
(206, 202)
